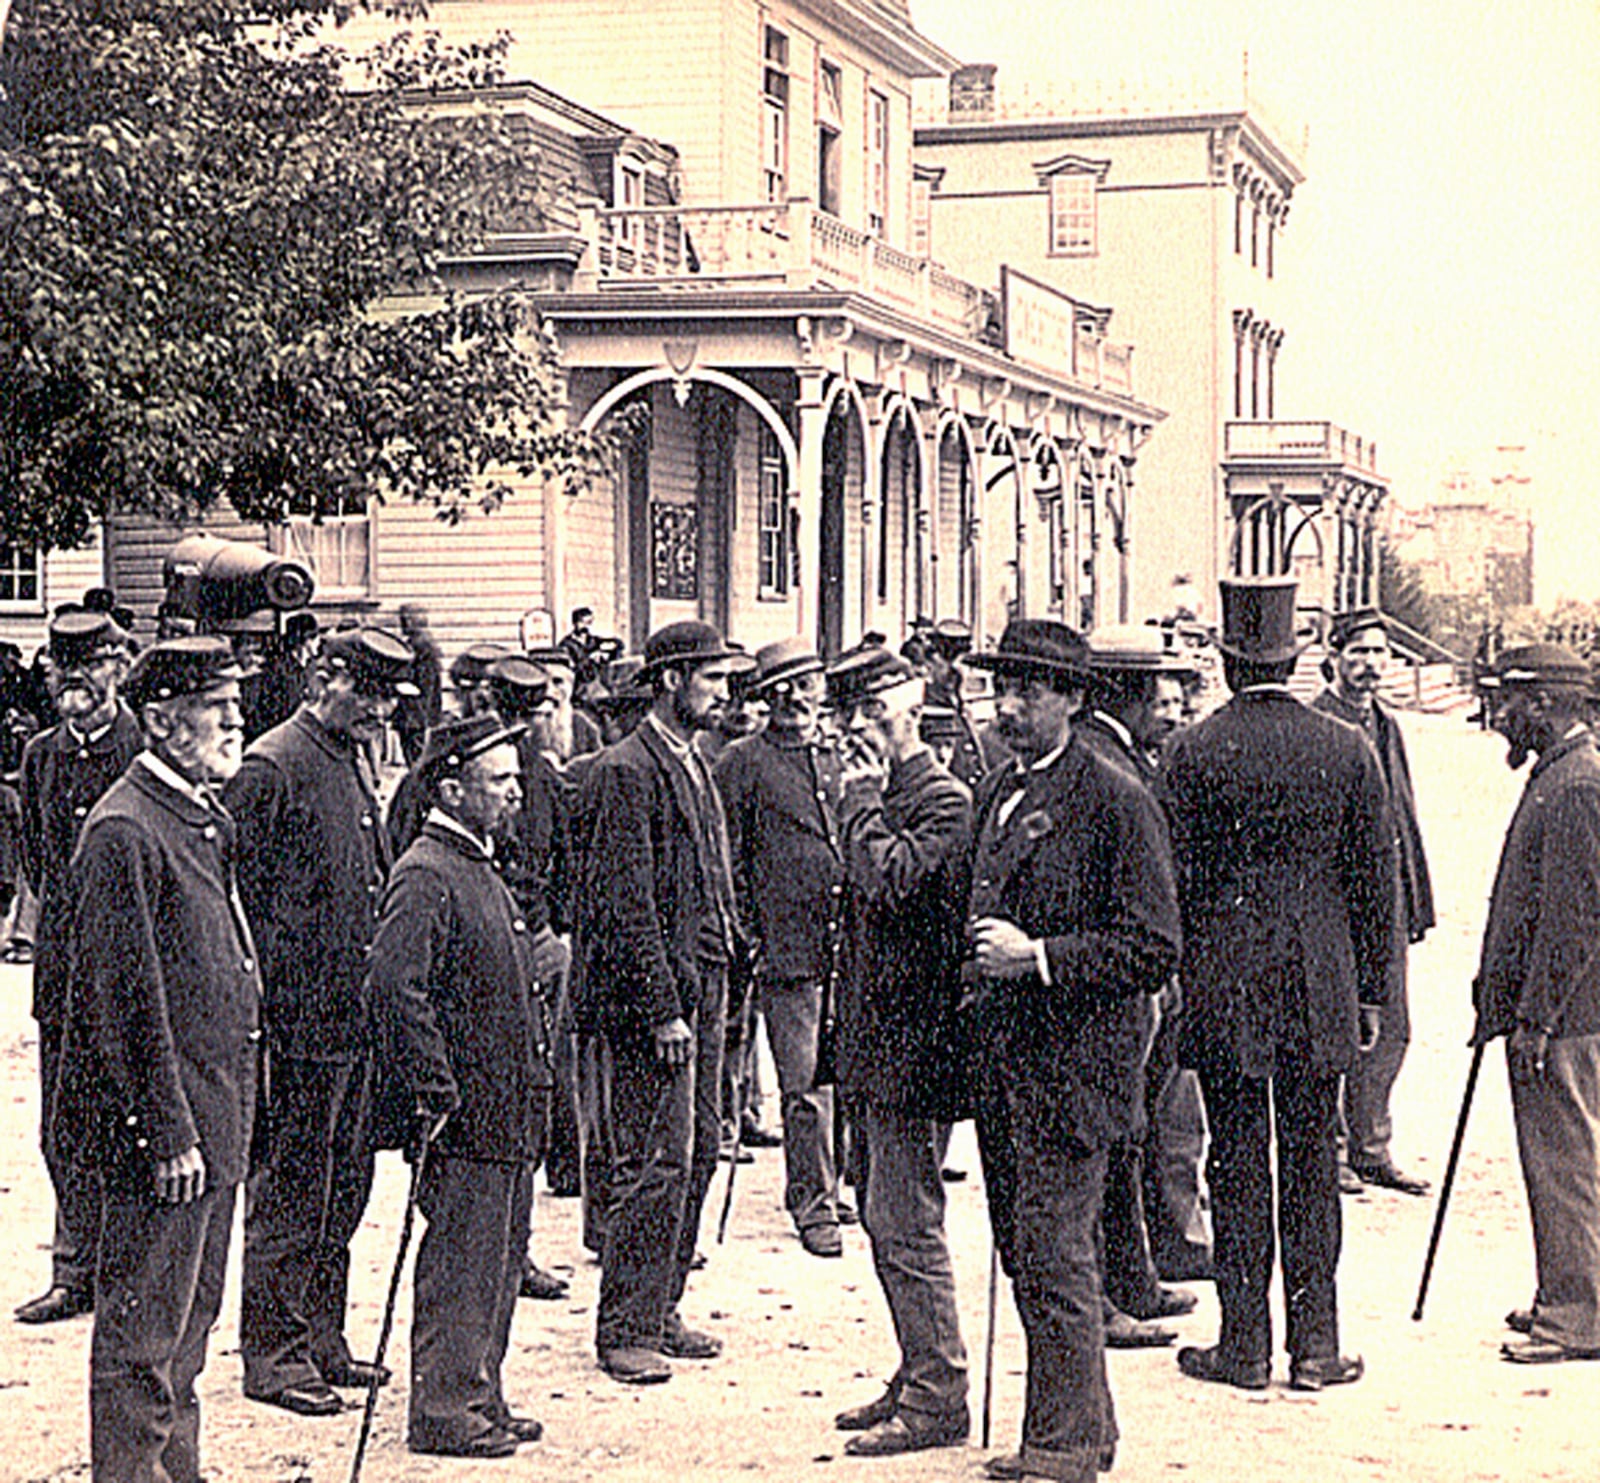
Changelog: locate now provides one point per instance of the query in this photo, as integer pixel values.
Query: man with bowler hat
(65, 770)
(313, 861)
(657, 935)
(454, 986)
(780, 790)
(1360, 651)
(1286, 859)
(1074, 924)
(160, 1057)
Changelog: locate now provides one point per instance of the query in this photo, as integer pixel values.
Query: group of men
(245, 969)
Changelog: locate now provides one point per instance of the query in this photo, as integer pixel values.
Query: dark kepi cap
(182, 666)
(863, 672)
(626, 692)
(376, 659)
(779, 665)
(104, 600)
(1540, 664)
(1037, 646)
(1347, 625)
(82, 636)
(519, 686)
(550, 657)
(455, 741)
(1258, 619)
(472, 665)
(685, 645)
(951, 637)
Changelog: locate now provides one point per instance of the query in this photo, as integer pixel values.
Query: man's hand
(1371, 1027)
(551, 956)
(181, 1181)
(1529, 1048)
(674, 1042)
(1002, 949)
(861, 764)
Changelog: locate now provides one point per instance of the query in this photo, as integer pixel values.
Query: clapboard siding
(139, 545)
(64, 577)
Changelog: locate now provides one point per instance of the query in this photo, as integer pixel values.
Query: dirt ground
(807, 1337)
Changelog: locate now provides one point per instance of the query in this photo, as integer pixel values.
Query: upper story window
(1074, 216)
(627, 194)
(775, 115)
(338, 549)
(830, 126)
(877, 163)
(20, 582)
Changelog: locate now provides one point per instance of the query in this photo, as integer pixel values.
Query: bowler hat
(83, 636)
(686, 644)
(1540, 664)
(176, 667)
(456, 740)
(865, 671)
(518, 685)
(1258, 619)
(472, 665)
(1358, 620)
(1134, 648)
(1037, 646)
(377, 660)
(779, 665)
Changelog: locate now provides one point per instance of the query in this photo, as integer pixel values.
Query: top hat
(379, 662)
(456, 740)
(190, 665)
(519, 686)
(779, 665)
(865, 671)
(1037, 646)
(686, 644)
(1540, 664)
(1347, 625)
(82, 636)
(1133, 648)
(1258, 619)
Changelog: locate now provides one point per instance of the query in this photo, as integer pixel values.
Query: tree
(209, 209)
(1402, 593)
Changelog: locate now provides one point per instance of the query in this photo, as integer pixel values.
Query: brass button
(210, 831)
(79, 811)
(249, 965)
(366, 821)
(519, 925)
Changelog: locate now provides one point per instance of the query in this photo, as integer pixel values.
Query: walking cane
(429, 1133)
(988, 1340)
(747, 1029)
(1449, 1180)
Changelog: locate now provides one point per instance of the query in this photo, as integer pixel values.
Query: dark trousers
(1368, 1125)
(595, 1136)
(793, 1012)
(469, 1267)
(1044, 1194)
(1298, 1105)
(1176, 1202)
(1131, 1283)
(76, 1239)
(302, 1207)
(157, 1292)
(664, 1137)
(565, 1151)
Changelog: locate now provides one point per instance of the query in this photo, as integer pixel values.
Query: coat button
(79, 811)
(133, 1121)
(366, 821)
(519, 925)
(249, 965)
(210, 831)
(141, 1143)
(253, 1036)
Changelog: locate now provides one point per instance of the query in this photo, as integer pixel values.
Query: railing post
(587, 273)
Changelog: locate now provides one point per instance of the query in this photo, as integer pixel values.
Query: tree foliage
(209, 211)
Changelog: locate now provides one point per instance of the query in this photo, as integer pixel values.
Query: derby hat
(685, 645)
(866, 671)
(1258, 620)
(519, 686)
(1540, 664)
(190, 665)
(378, 661)
(456, 740)
(83, 636)
(472, 665)
(779, 665)
(1037, 646)
(1346, 626)
(1134, 648)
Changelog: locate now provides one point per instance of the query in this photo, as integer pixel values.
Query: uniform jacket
(650, 901)
(1541, 949)
(452, 985)
(62, 779)
(313, 858)
(161, 1045)
(906, 846)
(1082, 863)
(1286, 858)
(531, 848)
(788, 870)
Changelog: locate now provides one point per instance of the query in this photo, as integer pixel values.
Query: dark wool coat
(1082, 863)
(906, 845)
(61, 780)
(313, 858)
(452, 986)
(1541, 949)
(531, 848)
(161, 1042)
(1286, 858)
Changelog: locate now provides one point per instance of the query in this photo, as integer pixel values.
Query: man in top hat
(455, 986)
(1360, 652)
(160, 1057)
(1286, 859)
(65, 770)
(904, 828)
(313, 861)
(658, 931)
(1537, 987)
(781, 793)
(1074, 924)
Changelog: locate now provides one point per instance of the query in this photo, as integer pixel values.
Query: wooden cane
(988, 1340)
(1449, 1181)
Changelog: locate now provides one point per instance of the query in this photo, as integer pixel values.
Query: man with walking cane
(453, 988)
(1538, 985)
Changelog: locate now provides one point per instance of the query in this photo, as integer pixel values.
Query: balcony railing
(1312, 442)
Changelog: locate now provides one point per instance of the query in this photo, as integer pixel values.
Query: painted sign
(1040, 322)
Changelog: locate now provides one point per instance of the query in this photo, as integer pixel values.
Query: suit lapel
(1037, 814)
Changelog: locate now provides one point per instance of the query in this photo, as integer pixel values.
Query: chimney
(972, 93)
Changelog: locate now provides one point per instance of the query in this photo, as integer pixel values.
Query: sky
(1444, 251)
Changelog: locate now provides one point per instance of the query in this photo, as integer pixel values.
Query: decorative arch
(968, 523)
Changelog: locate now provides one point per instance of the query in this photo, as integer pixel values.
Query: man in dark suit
(313, 861)
(1360, 651)
(65, 771)
(1074, 925)
(1286, 858)
(658, 932)
(453, 981)
(159, 1064)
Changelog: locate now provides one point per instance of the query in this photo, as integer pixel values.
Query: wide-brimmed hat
(779, 665)
(1540, 664)
(685, 645)
(1345, 626)
(377, 660)
(456, 740)
(190, 665)
(82, 636)
(865, 671)
(1135, 648)
(1258, 620)
(1037, 646)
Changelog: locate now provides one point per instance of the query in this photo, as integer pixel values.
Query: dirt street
(807, 1337)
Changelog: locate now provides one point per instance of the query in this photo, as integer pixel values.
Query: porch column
(808, 501)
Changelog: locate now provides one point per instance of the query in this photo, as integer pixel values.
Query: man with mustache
(65, 771)
(313, 861)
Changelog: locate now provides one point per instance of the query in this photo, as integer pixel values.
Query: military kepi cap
(1358, 620)
(190, 665)
(1540, 664)
(456, 740)
(80, 636)
(519, 686)
(472, 665)
(379, 662)
(866, 671)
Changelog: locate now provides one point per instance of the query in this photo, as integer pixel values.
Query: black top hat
(1037, 646)
(1347, 625)
(686, 644)
(472, 665)
(865, 671)
(182, 666)
(379, 662)
(779, 664)
(519, 686)
(1540, 664)
(456, 740)
(1258, 619)
(83, 636)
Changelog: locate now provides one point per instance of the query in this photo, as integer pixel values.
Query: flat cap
(1540, 664)
(190, 665)
(519, 686)
(80, 636)
(376, 659)
(456, 740)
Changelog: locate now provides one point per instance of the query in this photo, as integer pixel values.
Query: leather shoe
(864, 1418)
(1325, 1370)
(1126, 1332)
(1520, 1320)
(1011, 1465)
(546, 1286)
(635, 1365)
(911, 1431)
(59, 1303)
(313, 1398)
(496, 1442)
(1386, 1176)
(678, 1341)
(846, 1213)
(755, 1136)
(1542, 1352)
(1170, 1302)
(355, 1374)
(1224, 1369)
(822, 1240)
(523, 1428)
(1350, 1183)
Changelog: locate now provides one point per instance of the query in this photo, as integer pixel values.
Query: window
(627, 194)
(922, 217)
(773, 524)
(775, 116)
(337, 549)
(1073, 216)
(877, 163)
(830, 124)
(19, 574)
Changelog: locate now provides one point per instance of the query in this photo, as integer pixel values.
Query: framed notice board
(674, 552)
